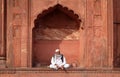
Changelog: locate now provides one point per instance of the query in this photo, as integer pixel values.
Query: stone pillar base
(2, 62)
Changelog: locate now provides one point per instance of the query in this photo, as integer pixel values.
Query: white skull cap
(57, 50)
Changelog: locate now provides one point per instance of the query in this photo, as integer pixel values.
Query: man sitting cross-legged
(58, 61)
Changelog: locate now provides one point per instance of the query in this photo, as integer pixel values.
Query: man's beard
(58, 55)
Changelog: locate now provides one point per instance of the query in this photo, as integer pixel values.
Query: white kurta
(57, 60)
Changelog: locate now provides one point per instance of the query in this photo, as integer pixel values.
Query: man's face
(57, 53)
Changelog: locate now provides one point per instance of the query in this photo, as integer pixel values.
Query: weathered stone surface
(17, 33)
(88, 46)
(56, 34)
(97, 7)
(36, 72)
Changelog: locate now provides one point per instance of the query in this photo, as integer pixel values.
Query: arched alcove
(56, 27)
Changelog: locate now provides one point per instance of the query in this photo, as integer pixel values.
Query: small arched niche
(56, 27)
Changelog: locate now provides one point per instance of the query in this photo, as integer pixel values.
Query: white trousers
(55, 67)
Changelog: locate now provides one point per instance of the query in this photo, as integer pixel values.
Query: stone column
(2, 34)
(99, 27)
(17, 33)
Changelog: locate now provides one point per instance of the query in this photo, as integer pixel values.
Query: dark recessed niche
(57, 23)
(52, 26)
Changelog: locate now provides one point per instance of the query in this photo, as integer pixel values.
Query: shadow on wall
(55, 28)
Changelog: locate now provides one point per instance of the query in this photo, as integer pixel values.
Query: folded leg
(53, 66)
(66, 65)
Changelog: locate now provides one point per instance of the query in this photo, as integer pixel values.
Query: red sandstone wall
(17, 33)
(94, 46)
(44, 50)
(1, 28)
(0, 25)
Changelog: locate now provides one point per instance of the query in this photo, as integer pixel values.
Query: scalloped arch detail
(59, 7)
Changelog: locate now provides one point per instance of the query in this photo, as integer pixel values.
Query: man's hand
(62, 67)
(57, 66)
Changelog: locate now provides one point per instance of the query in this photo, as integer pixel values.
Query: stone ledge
(47, 70)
